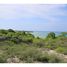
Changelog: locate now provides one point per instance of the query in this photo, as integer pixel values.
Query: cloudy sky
(34, 17)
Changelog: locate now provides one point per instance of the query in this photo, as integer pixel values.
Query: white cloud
(48, 12)
(32, 10)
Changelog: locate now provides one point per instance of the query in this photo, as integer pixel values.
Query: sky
(34, 17)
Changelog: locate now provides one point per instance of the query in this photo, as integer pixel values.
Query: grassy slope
(20, 46)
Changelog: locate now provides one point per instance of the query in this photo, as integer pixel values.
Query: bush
(3, 57)
(30, 55)
(55, 59)
(3, 31)
(10, 30)
(51, 35)
(38, 42)
(62, 50)
(44, 58)
(16, 40)
(52, 58)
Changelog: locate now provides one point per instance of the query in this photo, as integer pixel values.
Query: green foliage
(51, 35)
(2, 60)
(62, 50)
(64, 34)
(3, 31)
(38, 42)
(29, 49)
(30, 54)
(43, 58)
(52, 58)
(10, 30)
(55, 59)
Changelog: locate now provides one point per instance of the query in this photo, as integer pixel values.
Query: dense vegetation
(23, 47)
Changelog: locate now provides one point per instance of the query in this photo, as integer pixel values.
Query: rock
(13, 60)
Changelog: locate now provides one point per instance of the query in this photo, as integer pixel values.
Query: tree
(3, 31)
(64, 34)
(51, 35)
(10, 30)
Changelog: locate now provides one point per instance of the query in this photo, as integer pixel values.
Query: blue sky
(34, 17)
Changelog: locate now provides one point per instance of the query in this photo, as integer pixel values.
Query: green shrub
(2, 60)
(38, 42)
(3, 31)
(10, 30)
(55, 59)
(62, 50)
(52, 58)
(3, 57)
(44, 58)
(51, 35)
(30, 49)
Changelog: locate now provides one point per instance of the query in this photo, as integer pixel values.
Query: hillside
(23, 47)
